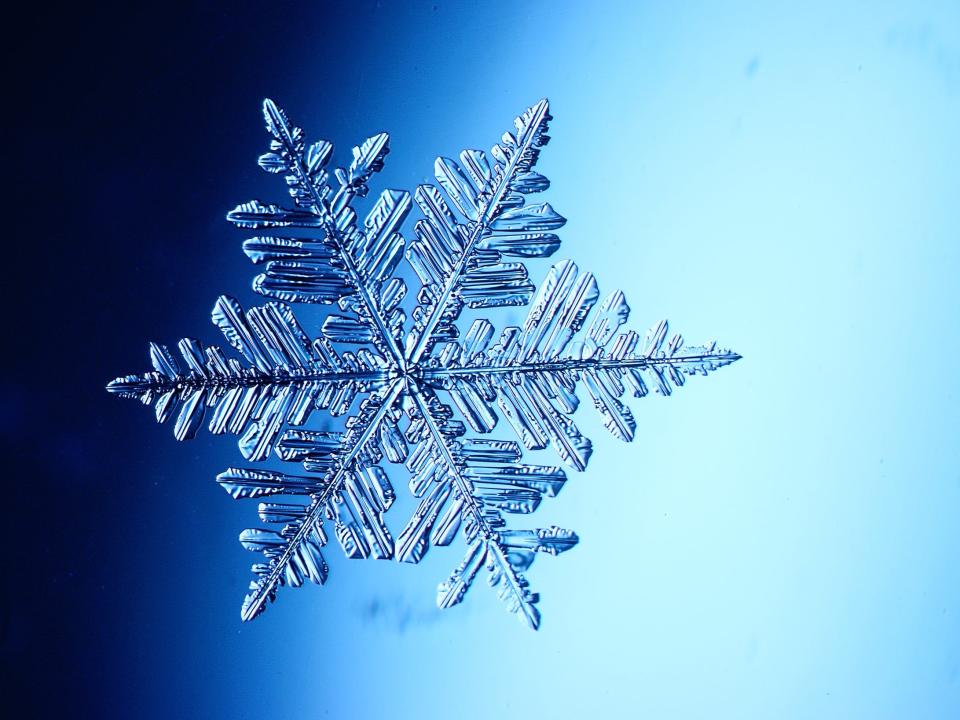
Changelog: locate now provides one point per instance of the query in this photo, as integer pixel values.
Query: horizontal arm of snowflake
(533, 371)
(280, 377)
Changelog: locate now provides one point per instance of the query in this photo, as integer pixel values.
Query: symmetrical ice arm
(532, 373)
(471, 483)
(460, 263)
(279, 379)
(345, 262)
(353, 491)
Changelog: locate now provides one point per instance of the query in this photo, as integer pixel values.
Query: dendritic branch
(355, 442)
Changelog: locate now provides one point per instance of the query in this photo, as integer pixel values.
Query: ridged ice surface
(427, 394)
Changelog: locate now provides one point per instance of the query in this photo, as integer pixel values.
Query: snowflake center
(411, 375)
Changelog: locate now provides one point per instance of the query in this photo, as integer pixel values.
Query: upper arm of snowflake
(320, 255)
(460, 263)
(317, 252)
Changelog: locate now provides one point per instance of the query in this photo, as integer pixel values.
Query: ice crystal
(422, 395)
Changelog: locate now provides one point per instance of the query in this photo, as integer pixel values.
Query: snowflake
(400, 375)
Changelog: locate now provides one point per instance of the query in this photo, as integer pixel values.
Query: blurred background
(780, 540)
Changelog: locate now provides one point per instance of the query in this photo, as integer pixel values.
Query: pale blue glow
(780, 541)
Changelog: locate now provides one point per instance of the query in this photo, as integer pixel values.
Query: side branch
(330, 228)
(478, 230)
(265, 587)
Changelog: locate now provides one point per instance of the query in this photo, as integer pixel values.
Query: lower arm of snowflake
(474, 234)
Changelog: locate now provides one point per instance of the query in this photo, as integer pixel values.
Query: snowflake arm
(533, 372)
(460, 263)
(353, 491)
(344, 263)
(470, 484)
(280, 379)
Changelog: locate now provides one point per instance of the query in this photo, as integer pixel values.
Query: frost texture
(426, 395)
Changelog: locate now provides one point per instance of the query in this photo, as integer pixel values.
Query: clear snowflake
(401, 370)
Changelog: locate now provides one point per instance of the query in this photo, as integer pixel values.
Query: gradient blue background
(781, 539)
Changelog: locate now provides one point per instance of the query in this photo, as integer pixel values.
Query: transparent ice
(427, 396)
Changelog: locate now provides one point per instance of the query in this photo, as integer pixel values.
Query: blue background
(780, 540)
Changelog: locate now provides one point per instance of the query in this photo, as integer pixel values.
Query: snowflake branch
(489, 211)
(285, 377)
(532, 375)
(255, 602)
(521, 598)
(440, 374)
(281, 129)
